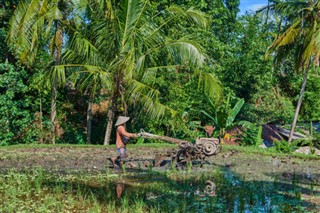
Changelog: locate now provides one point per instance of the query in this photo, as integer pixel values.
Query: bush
(16, 120)
(268, 106)
(284, 147)
(251, 136)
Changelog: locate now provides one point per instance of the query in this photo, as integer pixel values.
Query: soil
(96, 159)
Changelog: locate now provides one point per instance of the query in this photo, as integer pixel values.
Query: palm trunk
(57, 55)
(109, 127)
(299, 104)
(89, 119)
(119, 91)
(53, 109)
(40, 118)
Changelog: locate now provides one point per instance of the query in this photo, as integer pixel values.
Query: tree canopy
(70, 67)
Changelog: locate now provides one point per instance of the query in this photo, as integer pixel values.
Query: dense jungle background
(68, 68)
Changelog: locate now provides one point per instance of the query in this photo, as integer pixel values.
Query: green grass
(267, 152)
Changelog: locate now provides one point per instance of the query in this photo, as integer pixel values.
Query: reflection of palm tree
(131, 49)
(302, 35)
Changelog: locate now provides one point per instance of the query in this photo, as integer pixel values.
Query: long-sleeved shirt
(121, 131)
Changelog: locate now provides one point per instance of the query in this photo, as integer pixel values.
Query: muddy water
(221, 190)
(237, 182)
(268, 167)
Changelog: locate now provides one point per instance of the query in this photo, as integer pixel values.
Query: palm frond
(310, 49)
(151, 34)
(88, 77)
(192, 15)
(92, 81)
(147, 97)
(54, 14)
(200, 18)
(124, 65)
(186, 52)
(81, 50)
(149, 74)
(140, 65)
(132, 12)
(25, 24)
(317, 39)
(58, 73)
(106, 37)
(211, 86)
(287, 8)
(288, 37)
(81, 5)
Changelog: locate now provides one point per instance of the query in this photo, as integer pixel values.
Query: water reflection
(119, 189)
(210, 188)
(221, 193)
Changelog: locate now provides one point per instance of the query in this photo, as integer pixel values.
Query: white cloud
(255, 7)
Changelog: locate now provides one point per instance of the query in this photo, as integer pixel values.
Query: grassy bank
(268, 152)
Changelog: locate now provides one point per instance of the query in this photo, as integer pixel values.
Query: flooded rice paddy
(230, 182)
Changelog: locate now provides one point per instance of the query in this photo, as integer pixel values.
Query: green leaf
(234, 112)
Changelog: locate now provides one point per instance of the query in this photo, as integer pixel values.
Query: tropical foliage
(17, 122)
(223, 116)
(70, 67)
(302, 35)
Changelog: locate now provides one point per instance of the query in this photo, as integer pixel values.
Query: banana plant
(223, 116)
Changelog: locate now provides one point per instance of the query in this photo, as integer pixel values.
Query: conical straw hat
(121, 120)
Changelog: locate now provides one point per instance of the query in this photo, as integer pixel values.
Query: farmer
(122, 138)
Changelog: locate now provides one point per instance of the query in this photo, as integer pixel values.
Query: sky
(247, 5)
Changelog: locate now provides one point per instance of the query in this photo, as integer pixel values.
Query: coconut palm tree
(126, 43)
(302, 35)
(90, 82)
(41, 24)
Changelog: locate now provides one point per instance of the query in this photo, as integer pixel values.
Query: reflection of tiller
(210, 188)
(187, 152)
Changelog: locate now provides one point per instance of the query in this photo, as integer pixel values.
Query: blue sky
(246, 5)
